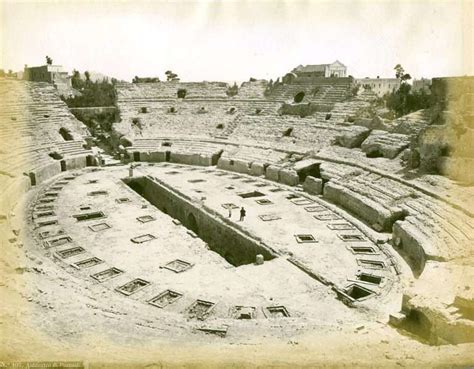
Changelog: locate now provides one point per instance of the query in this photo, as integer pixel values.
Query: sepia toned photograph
(236, 184)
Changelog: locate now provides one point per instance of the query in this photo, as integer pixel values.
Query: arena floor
(85, 222)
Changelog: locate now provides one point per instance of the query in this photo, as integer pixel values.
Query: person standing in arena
(242, 214)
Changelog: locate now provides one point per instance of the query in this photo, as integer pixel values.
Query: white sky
(235, 40)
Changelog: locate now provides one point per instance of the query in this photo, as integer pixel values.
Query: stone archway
(299, 97)
(192, 223)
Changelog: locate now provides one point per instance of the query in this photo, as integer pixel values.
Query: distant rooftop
(310, 68)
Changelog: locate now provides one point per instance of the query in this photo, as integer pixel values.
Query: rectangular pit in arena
(369, 278)
(371, 264)
(327, 216)
(45, 223)
(51, 233)
(220, 331)
(165, 298)
(121, 200)
(89, 216)
(51, 194)
(107, 274)
(44, 207)
(351, 237)
(178, 266)
(146, 218)
(42, 214)
(243, 312)
(315, 209)
(305, 238)
(133, 286)
(99, 227)
(363, 250)
(237, 247)
(302, 201)
(62, 240)
(88, 263)
(341, 226)
(229, 206)
(143, 238)
(46, 200)
(263, 202)
(200, 309)
(97, 193)
(276, 312)
(246, 195)
(68, 253)
(357, 292)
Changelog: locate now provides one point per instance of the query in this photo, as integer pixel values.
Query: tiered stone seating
(252, 90)
(187, 120)
(169, 90)
(287, 131)
(71, 148)
(381, 143)
(423, 228)
(371, 196)
(412, 123)
(321, 91)
(322, 94)
(28, 105)
(343, 110)
(31, 115)
(218, 119)
(433, 231)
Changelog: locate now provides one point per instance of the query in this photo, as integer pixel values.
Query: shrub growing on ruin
(92, 94)
(288, 132)
(232, 90)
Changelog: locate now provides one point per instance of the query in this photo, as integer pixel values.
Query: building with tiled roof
(336, 69)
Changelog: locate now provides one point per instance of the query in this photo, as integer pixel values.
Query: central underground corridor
(232, 244)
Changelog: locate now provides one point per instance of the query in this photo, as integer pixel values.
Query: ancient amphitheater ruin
(356, 246)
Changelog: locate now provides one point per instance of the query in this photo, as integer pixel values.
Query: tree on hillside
(76, 80)
(170, 76)
(49, 60)
(404, 101)
(400, 74)
(87, 75)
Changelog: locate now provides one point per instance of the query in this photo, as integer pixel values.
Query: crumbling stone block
(371, 211)
(272, 173)
(289, 177)
(225, 164)
(352, 137)
(313, 186)
(257, 169)
(241, 166)
(384, 144)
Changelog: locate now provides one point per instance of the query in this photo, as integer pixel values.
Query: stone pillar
(259, 259)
